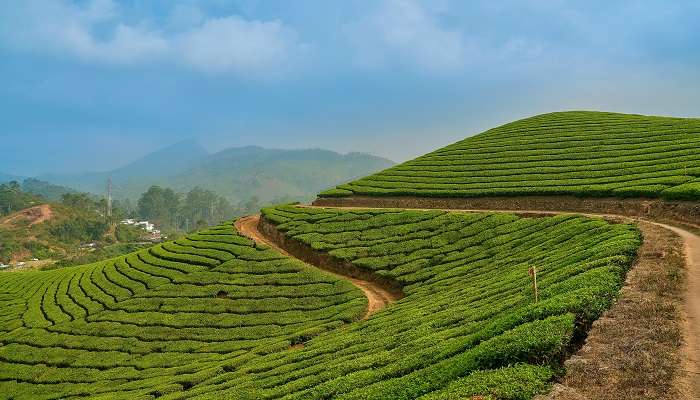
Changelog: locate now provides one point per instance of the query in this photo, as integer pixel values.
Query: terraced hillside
(161, 320)
(566, 153)
(469, 323)
(214, 316)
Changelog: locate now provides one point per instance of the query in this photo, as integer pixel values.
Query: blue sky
(92, 84)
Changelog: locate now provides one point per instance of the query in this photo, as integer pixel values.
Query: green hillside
(55, 233)
(566, 153)
(161, 320)
(267, 174)
(214, 316)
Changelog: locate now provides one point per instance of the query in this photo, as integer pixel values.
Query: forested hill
(238, 174)
(137, 176)
(5, 178)
(271, 173)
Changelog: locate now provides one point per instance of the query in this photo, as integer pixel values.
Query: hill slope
(238, 173)
(161, 320)
(4, 178)
(566, 153)
(214, 316)
(48, 231)
(140, 173)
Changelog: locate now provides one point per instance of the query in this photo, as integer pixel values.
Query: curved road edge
(378, 297)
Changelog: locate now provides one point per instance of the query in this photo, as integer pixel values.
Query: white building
(145, 225)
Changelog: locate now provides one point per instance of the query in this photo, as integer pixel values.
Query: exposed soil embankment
(686, 213)
(379, 291)
(29, 216)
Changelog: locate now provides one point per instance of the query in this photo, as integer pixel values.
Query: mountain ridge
(238, 173)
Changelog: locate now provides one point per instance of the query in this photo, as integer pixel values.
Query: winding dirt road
(377, 296)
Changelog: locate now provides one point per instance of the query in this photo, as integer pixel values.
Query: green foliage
(568, 153)
(152, 322)
(159, 205)
(81, 201)
(44, 189)
(99, 254)
(12, 198)
(78, 230)
(520, 382)
(127, 233)
(77, 219)
(212, 315)
(469, 305)
(196, 209)
(201, 208)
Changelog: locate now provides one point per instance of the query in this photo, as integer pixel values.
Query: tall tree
(159, 205)
(203, 207)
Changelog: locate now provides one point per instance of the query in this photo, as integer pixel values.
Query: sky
(89, 85)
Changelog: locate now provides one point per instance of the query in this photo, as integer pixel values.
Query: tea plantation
(565, 153)
(468, 324)
(214, 316)
(161, 320)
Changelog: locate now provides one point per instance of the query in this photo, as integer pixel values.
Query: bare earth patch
(29, 216)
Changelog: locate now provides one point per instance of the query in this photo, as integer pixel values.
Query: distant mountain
(239, 173)
(4, 178)
(236, 173)
(139, 174)
(164, 162)
(47, 190)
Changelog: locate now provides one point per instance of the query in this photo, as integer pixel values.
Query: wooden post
(533, 274)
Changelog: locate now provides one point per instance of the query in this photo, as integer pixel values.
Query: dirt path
(692, 307)
(377, 296)
(691, 347)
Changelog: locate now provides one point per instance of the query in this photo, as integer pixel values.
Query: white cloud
(96, 32)
(234, 44)
(406, 31)
(127, 44)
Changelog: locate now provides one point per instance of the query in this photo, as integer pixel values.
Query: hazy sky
(90, 85)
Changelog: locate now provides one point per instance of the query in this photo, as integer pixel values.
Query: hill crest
(579, 153)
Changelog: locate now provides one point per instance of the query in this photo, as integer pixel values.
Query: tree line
(195, 209)
(167, 209)
(13, 198)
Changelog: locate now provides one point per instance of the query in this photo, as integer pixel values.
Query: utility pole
(532, 271)
(211, 212)
(109, 198)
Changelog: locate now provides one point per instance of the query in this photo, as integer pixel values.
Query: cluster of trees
(13, 198)
(195, 209)
(47, 190)
(169, 210)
